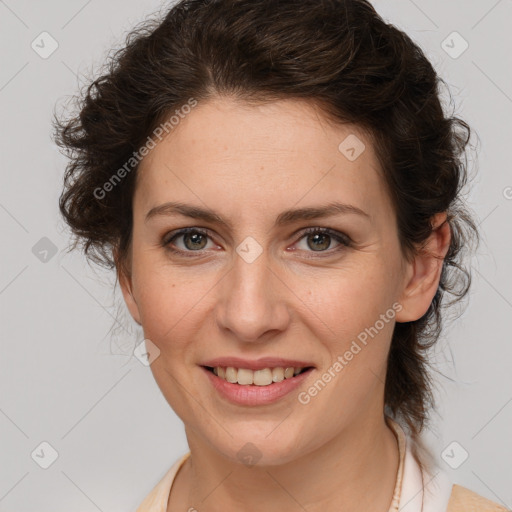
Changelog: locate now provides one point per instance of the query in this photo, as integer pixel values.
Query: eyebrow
(287, 217)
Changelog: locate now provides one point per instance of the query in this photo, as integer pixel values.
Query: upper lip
(255, 364)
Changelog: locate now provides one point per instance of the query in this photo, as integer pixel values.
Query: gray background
(68, 380)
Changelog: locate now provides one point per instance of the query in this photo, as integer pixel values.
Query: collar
(417, 489)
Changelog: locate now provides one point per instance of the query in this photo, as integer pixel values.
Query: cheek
(346, 302)
(170, 304)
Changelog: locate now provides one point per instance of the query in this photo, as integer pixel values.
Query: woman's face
(253, 290)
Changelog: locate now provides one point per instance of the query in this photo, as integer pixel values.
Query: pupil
(321, 236)
(194, 237)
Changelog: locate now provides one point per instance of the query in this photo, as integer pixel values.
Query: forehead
(276, 154)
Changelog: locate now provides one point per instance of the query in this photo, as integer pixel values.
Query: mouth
(263, 377)
(258, 387)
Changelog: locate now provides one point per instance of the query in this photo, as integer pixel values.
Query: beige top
(415, 491)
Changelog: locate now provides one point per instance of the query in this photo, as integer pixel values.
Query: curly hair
(338, 54)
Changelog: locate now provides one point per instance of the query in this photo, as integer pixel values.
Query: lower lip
(255, 395)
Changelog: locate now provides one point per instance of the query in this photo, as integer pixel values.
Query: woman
(278, 189)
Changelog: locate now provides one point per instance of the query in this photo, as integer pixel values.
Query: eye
(320, 240)
(194, 240)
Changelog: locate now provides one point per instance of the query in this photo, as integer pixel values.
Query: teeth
(278, 374)
(288, 373)
(263, 377)
(231, 374)
(245, 376)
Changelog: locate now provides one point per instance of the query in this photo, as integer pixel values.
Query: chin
(260, 447)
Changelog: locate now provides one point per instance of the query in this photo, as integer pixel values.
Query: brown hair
(337, 54)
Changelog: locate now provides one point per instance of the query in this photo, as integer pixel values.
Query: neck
(354, 471)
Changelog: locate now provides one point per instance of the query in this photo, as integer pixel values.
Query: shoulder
(156, 500)
(466, 500)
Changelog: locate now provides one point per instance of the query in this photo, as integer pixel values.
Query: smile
(264, 386)
(263, 377)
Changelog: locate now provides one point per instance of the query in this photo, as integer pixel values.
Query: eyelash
(343, 239)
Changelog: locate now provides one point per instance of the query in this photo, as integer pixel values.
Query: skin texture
(248, 164)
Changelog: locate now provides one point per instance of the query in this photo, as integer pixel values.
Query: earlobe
(424, 272)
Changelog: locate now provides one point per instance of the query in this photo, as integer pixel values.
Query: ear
(125, 283)
(423, 273)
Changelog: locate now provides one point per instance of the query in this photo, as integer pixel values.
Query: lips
(255, 382)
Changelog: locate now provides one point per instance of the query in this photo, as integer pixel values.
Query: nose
(253, 300)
